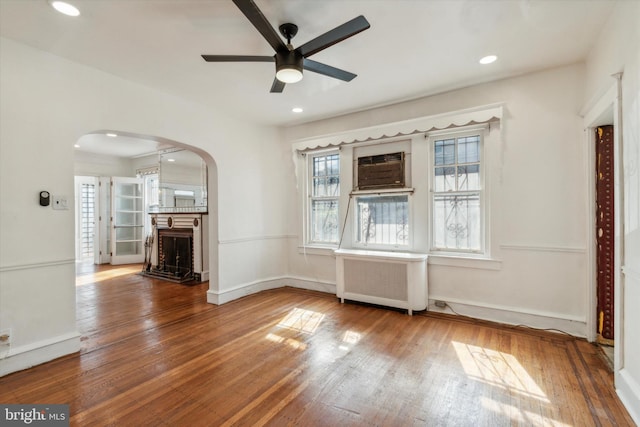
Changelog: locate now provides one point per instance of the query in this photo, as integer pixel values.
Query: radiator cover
(386, 278)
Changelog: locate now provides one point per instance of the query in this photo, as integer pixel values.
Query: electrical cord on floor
(447, 306)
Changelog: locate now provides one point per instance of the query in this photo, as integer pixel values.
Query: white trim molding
(39, 352)
(226, 295)
(31, 266)
(256, 238)
(629, 392)
(465, 261)
(469, 116)
(534, 248)
(573, 325)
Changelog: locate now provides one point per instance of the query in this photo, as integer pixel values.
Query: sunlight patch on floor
(520, 416)
(502, 370)
(498, 369)
(305, 321)
(86, 279)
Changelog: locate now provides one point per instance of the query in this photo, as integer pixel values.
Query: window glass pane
(319, 187)
(383, 220)
(468, 149)
(333, 186)
(445, 179)
(469, 177)
(324, 221)
(444, 152)
(457, 222)
(334, 165)
(318, 166)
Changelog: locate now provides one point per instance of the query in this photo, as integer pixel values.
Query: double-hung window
(457, 193)
(323, 198)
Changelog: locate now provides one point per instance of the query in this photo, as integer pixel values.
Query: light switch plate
(60, 203)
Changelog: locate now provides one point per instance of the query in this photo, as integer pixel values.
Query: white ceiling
(413, 48)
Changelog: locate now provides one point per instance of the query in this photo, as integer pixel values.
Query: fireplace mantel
(197, 223)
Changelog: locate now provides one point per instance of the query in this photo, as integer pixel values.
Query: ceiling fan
(289, 61)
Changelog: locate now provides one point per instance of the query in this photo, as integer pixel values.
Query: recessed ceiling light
(488, 59)
(65, 8)
(76, 145)
(112, 135)
(171, 160)
(297, 110)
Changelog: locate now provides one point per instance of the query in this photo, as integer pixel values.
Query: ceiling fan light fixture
(289, 75)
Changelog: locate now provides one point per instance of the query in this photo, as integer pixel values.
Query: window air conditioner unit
(381, 171)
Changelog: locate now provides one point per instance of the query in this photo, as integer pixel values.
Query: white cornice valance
(458, 118)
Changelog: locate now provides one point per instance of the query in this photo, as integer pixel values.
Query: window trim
(461, 132)
(309, 198)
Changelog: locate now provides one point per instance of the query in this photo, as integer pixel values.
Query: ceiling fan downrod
(289, 31)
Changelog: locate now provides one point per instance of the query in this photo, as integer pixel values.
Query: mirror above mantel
(182, 182)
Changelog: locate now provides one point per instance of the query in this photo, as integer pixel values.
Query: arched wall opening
(161, 143)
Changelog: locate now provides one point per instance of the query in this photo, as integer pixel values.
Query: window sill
(465, 261)
(317, 250)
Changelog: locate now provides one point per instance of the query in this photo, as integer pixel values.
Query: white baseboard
(513, 316)
(26, 356)
(312, 285)
(628, 390)
(227, 295)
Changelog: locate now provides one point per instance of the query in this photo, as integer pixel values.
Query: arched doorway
(111, 153)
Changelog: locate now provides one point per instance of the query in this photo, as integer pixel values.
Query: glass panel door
(127, 220)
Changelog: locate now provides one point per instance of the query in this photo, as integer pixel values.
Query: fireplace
(175, 253)
(178, 249)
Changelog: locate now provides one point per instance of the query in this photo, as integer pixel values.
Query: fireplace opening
(175, 255)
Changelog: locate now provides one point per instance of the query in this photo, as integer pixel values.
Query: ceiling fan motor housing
(289, 60)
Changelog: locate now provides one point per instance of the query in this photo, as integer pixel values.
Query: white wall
(618, 50)
(91, 164)
(536, 174)
(47, 103)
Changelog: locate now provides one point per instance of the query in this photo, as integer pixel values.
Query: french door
(127, 220)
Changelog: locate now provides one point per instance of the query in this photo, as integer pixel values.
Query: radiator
(385, 278)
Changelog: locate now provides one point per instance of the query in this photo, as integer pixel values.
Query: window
(382, 220)
(324, 194)
(457, 195)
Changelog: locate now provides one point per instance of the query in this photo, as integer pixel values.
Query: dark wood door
(605, 230)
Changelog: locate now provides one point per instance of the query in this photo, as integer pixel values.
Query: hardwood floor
(155, 353)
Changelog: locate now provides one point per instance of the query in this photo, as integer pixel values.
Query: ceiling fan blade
(255, 16)
(328, 70)
(334, 36)
(237, 58)
(277, 86)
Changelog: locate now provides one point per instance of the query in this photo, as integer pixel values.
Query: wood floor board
(155, 353)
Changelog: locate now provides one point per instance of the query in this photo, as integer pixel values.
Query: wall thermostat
(45, 199)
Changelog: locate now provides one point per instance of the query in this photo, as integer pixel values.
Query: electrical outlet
(60, 202)
(5, 337)
(5, 343)
(440, 304)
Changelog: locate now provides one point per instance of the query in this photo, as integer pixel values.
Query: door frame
(606, 110)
